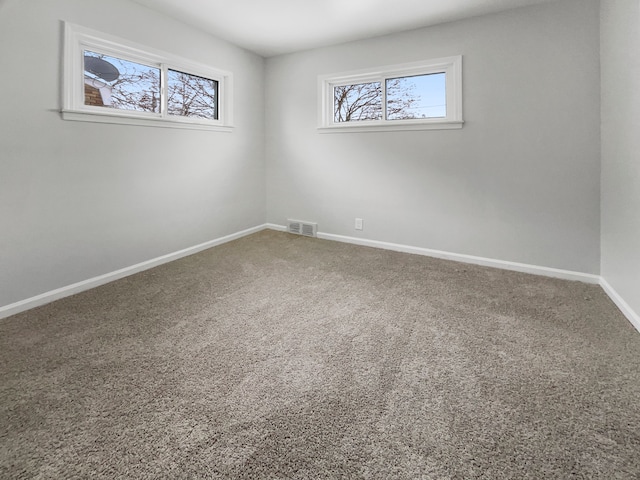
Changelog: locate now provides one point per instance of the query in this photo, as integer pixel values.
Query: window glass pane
(122, 84)
(419, 96)
(362, 101)
(191, 96)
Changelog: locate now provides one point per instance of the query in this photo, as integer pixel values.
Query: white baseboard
(78, 287)
(459, 257)
(487, 262)
(273, 226)
(624, 307)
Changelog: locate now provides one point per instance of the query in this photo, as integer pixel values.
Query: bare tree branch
(358, 102)
(363, 101)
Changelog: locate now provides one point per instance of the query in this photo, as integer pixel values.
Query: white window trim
(77, 39)
(451, 66)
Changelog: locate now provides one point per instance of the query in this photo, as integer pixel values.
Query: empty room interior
(320, 239)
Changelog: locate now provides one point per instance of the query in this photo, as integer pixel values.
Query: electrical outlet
(358, 224)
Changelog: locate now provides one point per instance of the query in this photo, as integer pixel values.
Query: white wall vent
(308, 229)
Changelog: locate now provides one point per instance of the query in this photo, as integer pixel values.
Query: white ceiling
(273, 27)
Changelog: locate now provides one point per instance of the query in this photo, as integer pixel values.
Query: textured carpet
(279, 356)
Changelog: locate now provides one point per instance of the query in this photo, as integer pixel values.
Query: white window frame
(77, 39)
(450, 66)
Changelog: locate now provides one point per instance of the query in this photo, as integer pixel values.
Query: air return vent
(307, 229)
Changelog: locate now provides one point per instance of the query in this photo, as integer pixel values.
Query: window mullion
(163, 90)
(383, 84)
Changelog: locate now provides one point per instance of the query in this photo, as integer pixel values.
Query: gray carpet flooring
(279, 356)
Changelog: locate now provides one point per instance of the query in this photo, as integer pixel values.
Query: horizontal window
(421, 95)
(112, 81)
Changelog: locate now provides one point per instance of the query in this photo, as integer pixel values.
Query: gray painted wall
(520, 182)
(79, 200)
(620, 35)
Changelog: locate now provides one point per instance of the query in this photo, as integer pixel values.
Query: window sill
(76, 115)
(391, 128)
